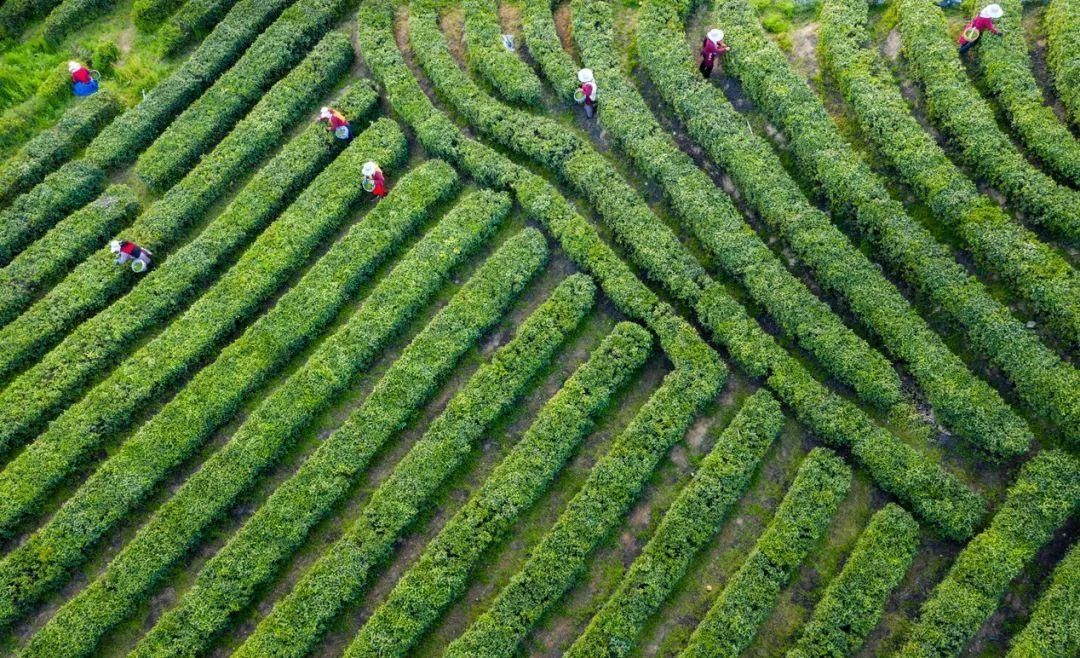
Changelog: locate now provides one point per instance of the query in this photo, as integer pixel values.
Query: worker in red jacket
(587, 92)
(712, 47)
(336, 122)
(127, 251)
(977, 26)
(83, 83)
(374, 180)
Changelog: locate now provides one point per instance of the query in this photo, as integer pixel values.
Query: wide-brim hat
(325, 113)
(715, 35)
(585, 75)
(73, 66)
(992, 11)
(114, 246)
(369, 168)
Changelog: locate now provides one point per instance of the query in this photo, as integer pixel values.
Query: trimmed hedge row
(50, 148)
(193, 20)
(32, 214)
(122, 140)
(855, 600)
(32, 475)
(71, 15)
(547, 49)
(1062, 20)
(839, 350)
(965, 404)
(1045, 494)
(209, 118)
(508, 74)
(1006, 70)
(750, 594)
(1053, 631)
(255, 552)
(56, 378)
(276, 423)
(44, 261)
(149, 14)
(688, 525)
(921, 482)
(30, 571)
(956, 107)
(1001, 247)
(441, 573)
(1032, 270)
(713, 219)
(341, 573)
(15, 14)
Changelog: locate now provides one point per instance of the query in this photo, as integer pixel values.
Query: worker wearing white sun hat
(980, 24)
(587, 92)
(712, 47)
(374, 180)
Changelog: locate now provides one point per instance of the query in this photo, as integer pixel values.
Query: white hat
(325, 113)
(369, 168)
(114, 246)
(585, 75)
(992, 11)
(715, 35)
(74, 66)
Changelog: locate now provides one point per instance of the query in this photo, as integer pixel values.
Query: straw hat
(325, 113)
(73, 66)
(992, 11)
(114, 246)
(715, 35)
(369, 168)
(585, 75)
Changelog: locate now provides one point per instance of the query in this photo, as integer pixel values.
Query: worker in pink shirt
(982, 23)
(336, 122)
(82, 81)
(127, 251)
(586, 93)
(712, 47)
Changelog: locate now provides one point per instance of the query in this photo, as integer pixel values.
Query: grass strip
(227, 582)
(97, 280)
(750, 594)
(30, 571)
(689, 524)
(965, 404)
(209, 118)
(275, 424)
(1007, 72)
(441, 574)
(1053, 631)
(855, 600)
(32, 214)
(61, 375)
(1045, 494)
(51, 148)
(574, 158)
(192, 21)
(959, 111)
(120, 143)
(922, 483)
(341, 573)
(42, 263)
(508, 75)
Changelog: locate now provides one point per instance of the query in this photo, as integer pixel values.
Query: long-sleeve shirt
(710, 50)
(980, 23)
(81, 74)
(337, 120)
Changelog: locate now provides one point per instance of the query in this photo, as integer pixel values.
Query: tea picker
(127, 251)
(586, 93)
(83, 81)
(374, 181)
(336, 122)
(712, 47)
(981, 23)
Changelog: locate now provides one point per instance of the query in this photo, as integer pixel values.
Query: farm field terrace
(775, 362)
